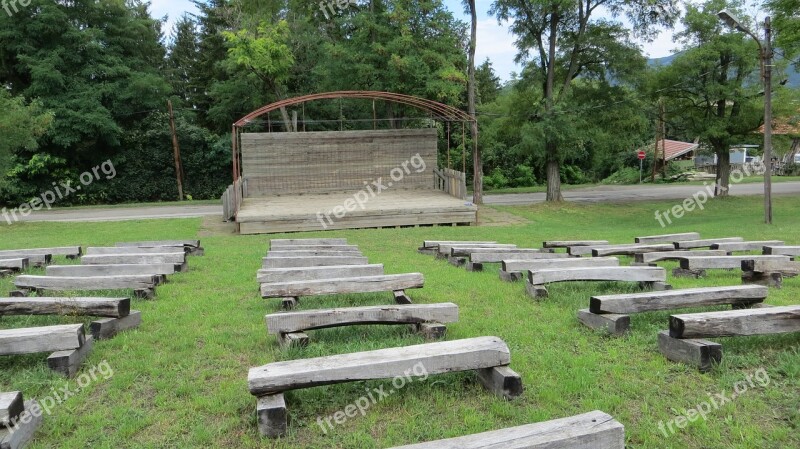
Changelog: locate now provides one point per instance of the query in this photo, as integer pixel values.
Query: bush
(627, 175)
(496, 179)
(522, 176)
(573, 175)
(791, 169)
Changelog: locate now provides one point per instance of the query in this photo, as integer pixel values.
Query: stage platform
(317, 212)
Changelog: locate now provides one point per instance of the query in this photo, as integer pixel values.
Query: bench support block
(30, 421)
(400, 297)
(686, 273)
(428, 251)
(272, 417)
(769, 279)
(69, 362)
(536, 291)
(510, 276)
(656, 286)
(293, 339)
(614, 324)
(474, 266)
(702, 354)
(290, 303)
(431, 331)
(502, 381)
(457, 261)
(148, 293)
(108, 327)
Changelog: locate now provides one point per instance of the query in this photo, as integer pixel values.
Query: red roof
(784, 127)
(674, 148)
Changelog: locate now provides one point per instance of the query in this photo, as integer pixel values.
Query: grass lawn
(180, 380)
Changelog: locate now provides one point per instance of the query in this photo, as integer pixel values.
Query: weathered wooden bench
(396, 283)
(11, 266)
(792, 251)
(273, 275)
(317, 261)
(746, 246)
(116, 314)
(593, 430)
(161, 270)
(476, 258)
(340, 248)
(553, 244)
(660, 256)
(684, 342)
(191, 247)
(71, 252)
(488, 355)
(631, 250)
(445, 251)
(306, 242)
(769, 272)
(586, 250)
(431, 247)
(696, 266)
(315, 253)
(143, 286)
(68, 343)
(705, 243)
(612, 312)
(25, 419)
(176, 259)
(428, 319)
(651, 277)
(513, 270)
(667, 238)
(115, 250)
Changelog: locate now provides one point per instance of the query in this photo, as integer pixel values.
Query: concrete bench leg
(293, 339)
(401, 297)
(290, 303)
(148, 293)
(684, 273)
(766, 279)
(69, 362)
(431, 331)
(536, 291)
(474, 266)
(108, 327)
(457, 261)
(702, 354)
(655, 286)
(510, 276)
(502, 381)
(613, 323)
(272, 417)
(22, 432)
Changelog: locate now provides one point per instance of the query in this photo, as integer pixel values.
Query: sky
(494, 40)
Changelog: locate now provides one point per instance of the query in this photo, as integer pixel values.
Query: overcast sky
(494, 40)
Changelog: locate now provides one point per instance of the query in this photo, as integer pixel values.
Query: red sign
(641, 155)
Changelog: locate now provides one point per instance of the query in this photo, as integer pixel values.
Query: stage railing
(451, 181)
(232, 200)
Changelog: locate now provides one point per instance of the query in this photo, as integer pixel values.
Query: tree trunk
(553, 175)
(477, 166)
(723, 172)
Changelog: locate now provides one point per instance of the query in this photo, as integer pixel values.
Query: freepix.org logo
(11, 8)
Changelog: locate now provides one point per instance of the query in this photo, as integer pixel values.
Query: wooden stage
(316, 212)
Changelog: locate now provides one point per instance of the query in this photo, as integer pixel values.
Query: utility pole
(767, 58)
(176, 150)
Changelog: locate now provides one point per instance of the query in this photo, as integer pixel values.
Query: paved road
(588, 195)
(636, 193)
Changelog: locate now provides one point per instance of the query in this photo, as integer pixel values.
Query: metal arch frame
(441, 112)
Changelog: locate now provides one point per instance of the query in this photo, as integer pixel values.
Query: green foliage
(495, 179)
(626, 175)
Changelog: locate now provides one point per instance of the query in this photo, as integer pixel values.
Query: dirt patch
(489, 216)
(214, 226)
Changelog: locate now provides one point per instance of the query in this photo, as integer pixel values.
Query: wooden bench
(659, 256)
(176, 259)
(512, 270)
(477, 258)
(769, 272)
(33, 260)
(696, 266)
(445, 251)
(143, 286)
(318, 261)
(553, 244)
(431, 247)
(612, 312)
(341, 248)
(19, 431)
(116, 314)
(746, 246)
(705, 243)
(316, 253)
(161, 270)
(667, 238)
(428, 319)
(397, 283)
(69, 345)
(792, 251)
(11, 406)
(684, 342)
(11, 266)
(586, 250)
(593, 430)
(191, 247)
(631, 250)
(488, 355)
(113, 250)
(274, 275)
(71, 252)
(652, 277)
(306, 242)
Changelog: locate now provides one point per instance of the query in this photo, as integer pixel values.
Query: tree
(477, 167)
(183, 58)
(787, 25)
(562, 41)
(487, 83)
(713, 86)
(21, 124)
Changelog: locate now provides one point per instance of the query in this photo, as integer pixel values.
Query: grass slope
(180, 379)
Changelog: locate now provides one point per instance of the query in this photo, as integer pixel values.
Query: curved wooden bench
(697, 266)
(143, 286)
(653, 277)
(593, 430)
(659, 256)
(431, 247)
(396, 283)
(631, 250)
(667, 238)
(746, 246)
(486, 255)
(512, 270)
(489, 355)
(318, 261)
(428, 319)
(177, 259)
(705, 243)
(612, 312)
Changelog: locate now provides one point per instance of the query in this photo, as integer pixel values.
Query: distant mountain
(792, 72)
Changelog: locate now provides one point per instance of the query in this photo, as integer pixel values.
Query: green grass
(180, 379)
